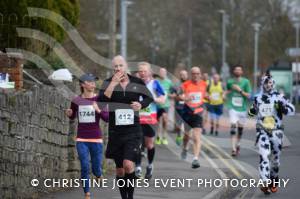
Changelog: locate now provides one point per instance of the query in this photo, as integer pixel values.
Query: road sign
(296, 67)
(293, 52)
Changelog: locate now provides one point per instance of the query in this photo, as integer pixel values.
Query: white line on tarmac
(176, 150)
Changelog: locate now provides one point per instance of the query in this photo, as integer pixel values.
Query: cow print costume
(269, 107)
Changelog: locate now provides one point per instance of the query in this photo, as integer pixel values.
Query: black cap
(88, 77)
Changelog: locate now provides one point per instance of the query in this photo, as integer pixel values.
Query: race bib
(124, 116)
(237, 101)
(215, 96)
(196, 98)
(266, 110)
(181, 102)
(86, 114)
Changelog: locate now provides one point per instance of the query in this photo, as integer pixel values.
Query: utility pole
(256, 27)
(224, 67)
(190, 42)
(112, 28)
(124, 28)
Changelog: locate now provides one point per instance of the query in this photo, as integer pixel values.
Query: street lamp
(223, 36)
(224, 67)
(256, 27)
(124, 4)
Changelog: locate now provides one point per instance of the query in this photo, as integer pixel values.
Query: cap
(88, 77)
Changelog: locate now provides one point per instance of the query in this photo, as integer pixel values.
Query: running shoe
(211, 131)
(195, 164)
(149, 172)
(158, 141)
(273, 186)
(238, 148)
(87, 196)
(233, 153)
(184, 154)
(265, 190)
(164, 141)
(179, 140)
(138, 172)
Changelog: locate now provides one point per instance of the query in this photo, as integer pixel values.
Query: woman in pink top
(89, 136)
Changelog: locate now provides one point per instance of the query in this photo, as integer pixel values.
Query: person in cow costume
(269, 107)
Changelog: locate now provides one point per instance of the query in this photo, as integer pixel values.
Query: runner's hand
(136, 106)
(188, 98)
(118, 77)
(96, 107)
(236, 87)
(68, 112)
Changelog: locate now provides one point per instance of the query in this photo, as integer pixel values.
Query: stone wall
(34, 141)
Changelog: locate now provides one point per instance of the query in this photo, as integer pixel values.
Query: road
(216, 163)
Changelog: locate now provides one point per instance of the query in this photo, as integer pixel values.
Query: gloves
(252, 111)
(280, 108)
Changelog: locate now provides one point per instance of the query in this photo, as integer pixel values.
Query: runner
(162, 112)
(193, 92)
(269, 106)
(238, 93)
(215, 107)
(89, 136)
(179, 104)
(148, 117)
(126, 95)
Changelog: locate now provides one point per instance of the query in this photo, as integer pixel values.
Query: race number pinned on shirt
(237, 101)
(266, 110)
(195, 97)
(124, 116)
(215, 96)
(86, 114)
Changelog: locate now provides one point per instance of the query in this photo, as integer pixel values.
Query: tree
(14, 14)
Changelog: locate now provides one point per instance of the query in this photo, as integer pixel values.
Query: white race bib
(196, 97)
(266, 110)
(86, 114)
(237, 101)
(124, 116)
(215, 96)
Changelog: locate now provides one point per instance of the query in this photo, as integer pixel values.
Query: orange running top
(197, 92)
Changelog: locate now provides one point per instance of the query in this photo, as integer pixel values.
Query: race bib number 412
(124, 116)
(86, 114)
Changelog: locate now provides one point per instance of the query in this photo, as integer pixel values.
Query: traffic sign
(293, 52)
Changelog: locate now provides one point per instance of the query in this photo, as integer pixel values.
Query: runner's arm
(284, 106)
(253, 109)
(74, 108)
(104, 114)
(161, 96)
(146, 94)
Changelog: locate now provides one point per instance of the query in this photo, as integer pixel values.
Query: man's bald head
(195, 74)
(119, 64)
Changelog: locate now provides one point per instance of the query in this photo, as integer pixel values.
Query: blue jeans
(86, 149)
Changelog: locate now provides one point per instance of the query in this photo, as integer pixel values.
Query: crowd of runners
(137, 107)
